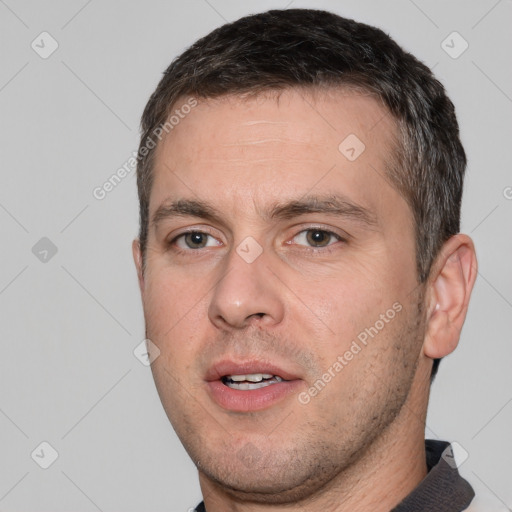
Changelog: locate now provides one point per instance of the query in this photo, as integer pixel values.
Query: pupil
(196, 239)
(318, 237)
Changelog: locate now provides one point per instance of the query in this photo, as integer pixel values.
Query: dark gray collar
(442, 490)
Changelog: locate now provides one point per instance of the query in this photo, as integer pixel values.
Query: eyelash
(326, 248)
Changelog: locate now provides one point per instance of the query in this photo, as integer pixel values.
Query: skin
(359, 443)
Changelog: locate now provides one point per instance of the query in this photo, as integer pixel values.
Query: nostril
(259, 315)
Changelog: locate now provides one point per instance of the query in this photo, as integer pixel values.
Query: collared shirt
(442, 490)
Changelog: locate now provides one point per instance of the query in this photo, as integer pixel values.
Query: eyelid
(194, 229)
(342, 235)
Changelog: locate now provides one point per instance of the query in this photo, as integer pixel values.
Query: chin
(254, 489)
(268, 481)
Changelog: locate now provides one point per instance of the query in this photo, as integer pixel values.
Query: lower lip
(251, 400)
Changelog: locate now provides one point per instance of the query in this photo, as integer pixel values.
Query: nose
(247, 293)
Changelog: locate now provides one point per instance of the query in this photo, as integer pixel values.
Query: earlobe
(450, 285)
(137, 258)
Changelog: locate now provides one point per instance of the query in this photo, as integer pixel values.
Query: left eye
(316, 237)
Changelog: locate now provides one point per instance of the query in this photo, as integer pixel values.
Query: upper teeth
(251, 377)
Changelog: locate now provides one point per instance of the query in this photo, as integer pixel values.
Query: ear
(137, 258)
(450, 284)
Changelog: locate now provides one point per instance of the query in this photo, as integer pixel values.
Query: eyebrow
(332, 204)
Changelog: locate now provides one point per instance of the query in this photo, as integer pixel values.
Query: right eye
(194, 240)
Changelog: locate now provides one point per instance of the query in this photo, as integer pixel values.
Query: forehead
(272, 145)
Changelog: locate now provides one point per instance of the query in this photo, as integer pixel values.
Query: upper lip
(229, 367)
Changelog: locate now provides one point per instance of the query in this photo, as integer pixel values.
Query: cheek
(170, 292)
(171, 306)
(375, 359)
(346, 307)
(344, 298)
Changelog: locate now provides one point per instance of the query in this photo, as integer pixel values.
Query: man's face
(304, 270)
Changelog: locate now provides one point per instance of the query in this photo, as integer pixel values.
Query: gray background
(70, 322)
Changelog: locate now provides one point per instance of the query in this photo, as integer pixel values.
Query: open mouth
(250, 381)
(250, 385)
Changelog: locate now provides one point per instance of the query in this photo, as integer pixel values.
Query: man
(300, 264)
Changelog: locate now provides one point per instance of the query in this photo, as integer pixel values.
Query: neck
(389, 470)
